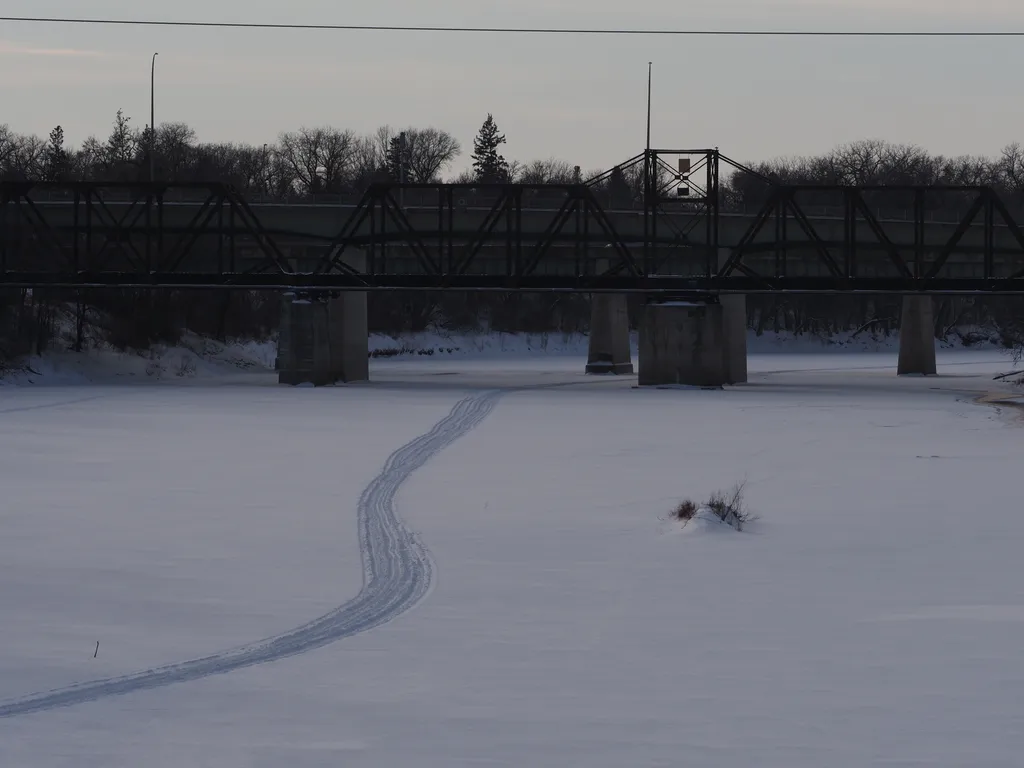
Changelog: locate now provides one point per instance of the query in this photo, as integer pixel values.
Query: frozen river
(467, 563)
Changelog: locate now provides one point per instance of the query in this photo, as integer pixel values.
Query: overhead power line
(513, 30)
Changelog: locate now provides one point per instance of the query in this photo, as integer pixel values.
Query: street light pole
(152, 116)
(648, 173)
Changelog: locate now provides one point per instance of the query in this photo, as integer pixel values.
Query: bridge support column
(303, 356)
(917, 337)
(609, 351)
(324, 339)
(683, 343)
(350, 335)
(734, 330)
(284, 329)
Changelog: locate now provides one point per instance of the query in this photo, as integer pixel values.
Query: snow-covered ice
(872, 617)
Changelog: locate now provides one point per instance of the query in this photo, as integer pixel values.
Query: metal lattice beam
(515, 237)
(987, 238)
(72, 229)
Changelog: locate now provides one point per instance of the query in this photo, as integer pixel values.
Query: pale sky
(580, 99)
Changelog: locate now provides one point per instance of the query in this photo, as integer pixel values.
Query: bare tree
(379, 145)
(428, 152)
(856, 163)
(422, 152)
(369, 160)
(465, 177)
(29, 158)
(549, 171)
(8, 148)
(875, 162)
(515, 172)
(123, 143)
(21, 157)
(88, 161)
(1009, 168)
(254, 168)
(323, 159)
(967, 170)
(175, 149)
(904, 164)
(222, 162)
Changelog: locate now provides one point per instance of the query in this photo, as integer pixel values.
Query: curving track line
(397, 573)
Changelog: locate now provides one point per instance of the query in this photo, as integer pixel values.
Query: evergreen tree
(619, 191)
(398, 159)
(57, 163)
(490, 167)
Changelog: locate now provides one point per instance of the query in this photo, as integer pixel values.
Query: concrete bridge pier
(609, 351)
(301, 345)
(917, 337)
(349, 332)
(324, 338)
(699, 343)
(683, 343)
(734, 329)
(284, 329)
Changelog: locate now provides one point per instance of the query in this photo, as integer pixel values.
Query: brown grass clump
(727, 508)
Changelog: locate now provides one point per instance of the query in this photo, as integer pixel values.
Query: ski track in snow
(397, 574)
(58, 404)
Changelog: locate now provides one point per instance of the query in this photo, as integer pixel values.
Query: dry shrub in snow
(727, 508)
(685, 511)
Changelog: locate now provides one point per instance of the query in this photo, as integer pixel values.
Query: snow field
(796, 644)
(397, 575)
(168, 525)
(872, 617)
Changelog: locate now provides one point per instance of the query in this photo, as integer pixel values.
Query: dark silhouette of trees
(415, 155)
(332, 161)
(58, 163)
(880, 163)
(174, 147)
(490, 166)
(550, 171)
(620, 191)
(88, 162)
(396, 160)
(122, 147)
(428, 152)
(322, 159)
(21, 157)
(8, 148)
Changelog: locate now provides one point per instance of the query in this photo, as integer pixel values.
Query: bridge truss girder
(136, 246)
(446, 252)
(134, 241)
(920, 262)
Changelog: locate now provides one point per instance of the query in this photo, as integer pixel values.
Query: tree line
(885, 164)
(333, 161)
(309, 161)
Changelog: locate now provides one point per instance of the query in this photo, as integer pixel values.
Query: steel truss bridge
(584, 237)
